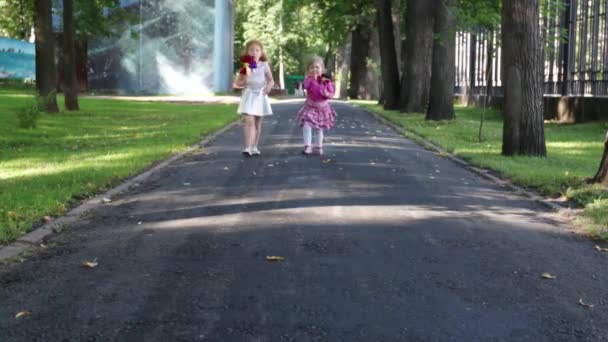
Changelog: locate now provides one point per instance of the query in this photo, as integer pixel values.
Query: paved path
(385, 242)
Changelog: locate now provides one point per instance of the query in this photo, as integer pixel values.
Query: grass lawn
(574, 153)
(72, 155)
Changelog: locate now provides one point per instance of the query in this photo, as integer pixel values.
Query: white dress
(253, 99)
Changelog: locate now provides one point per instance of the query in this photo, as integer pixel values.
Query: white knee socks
(307, 135)
(319, 143)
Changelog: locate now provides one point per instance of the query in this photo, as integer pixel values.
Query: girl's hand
(325, 93)
(267, 90)
(241, 81)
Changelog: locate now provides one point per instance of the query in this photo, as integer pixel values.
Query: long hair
(263, 57)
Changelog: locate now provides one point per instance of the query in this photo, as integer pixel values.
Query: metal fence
(576, 52)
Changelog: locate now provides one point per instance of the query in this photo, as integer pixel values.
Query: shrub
(28, 115)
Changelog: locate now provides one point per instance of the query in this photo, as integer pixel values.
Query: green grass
(574, 153)
(72, 155)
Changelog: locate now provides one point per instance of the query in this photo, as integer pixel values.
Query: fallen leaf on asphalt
(327, 161)
(22, 314)
(583, 304)
(274, 258)
(90, 264)
(226, 168)
(548, 276)
(600, 249)
(106, 200)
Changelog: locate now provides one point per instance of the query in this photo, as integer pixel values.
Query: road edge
(485, 173)
(36, 236)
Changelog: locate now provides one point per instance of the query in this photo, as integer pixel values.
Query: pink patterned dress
(316, 112)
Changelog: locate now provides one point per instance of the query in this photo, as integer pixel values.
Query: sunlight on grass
(574, 152)
(72, 155)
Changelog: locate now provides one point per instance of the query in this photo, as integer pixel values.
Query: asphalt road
(381, 240)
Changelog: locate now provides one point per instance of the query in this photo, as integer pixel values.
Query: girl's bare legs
(258, 131)
(248, 130)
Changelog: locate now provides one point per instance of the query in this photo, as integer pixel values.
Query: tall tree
(46, 72)
(601, 175)
(441, 106)
(522, 58)
(359, 55)
(388, 55)
(416, 79)
(344, 63)
(70, 84)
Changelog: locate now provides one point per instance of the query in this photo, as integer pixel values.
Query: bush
(588, 193)
(28, 115)
(16, 84)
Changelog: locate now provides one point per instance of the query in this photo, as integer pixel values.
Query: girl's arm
(308, 81)
(269, 79)
(329, 90)
(241, 81)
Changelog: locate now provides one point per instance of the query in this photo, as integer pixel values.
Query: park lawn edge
(83, 195)
(591, 218)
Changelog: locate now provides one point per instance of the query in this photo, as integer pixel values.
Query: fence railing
(576, 52)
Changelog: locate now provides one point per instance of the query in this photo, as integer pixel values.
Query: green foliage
(573, 155)
(12, 85)
(597, 212)
(587, 193)
(93, 18)
(478, 14)
(16, 18)
(28, 114)
(100, 18)
(298, 29)
(77, 154)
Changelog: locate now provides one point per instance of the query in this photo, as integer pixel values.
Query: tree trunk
(416, 80)
(70, 84)
(388, 55)
(486, 101)
(371, 85)
(46, 73)
(358, 60)
(397, 15)
(523, 130)
(470, 89)
(602, 173)
(441, 106)
(344, 61)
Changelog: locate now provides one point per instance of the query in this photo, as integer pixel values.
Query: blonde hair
(313, 60)
(263, 57)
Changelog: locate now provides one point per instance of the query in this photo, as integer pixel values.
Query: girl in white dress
(256, 79)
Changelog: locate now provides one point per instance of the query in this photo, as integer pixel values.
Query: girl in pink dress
(316, 113)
